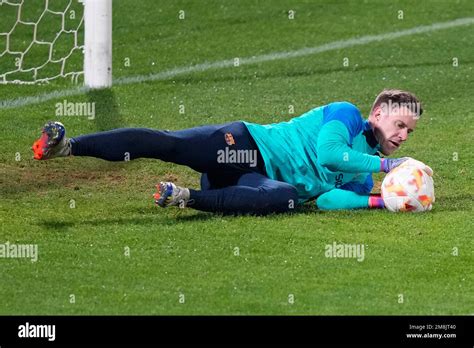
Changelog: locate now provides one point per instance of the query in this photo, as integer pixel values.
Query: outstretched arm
(341, 199)
(352, 195)
(338, 199)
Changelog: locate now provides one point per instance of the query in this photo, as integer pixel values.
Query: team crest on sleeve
(229, 139)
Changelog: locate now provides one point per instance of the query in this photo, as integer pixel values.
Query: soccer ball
(408, 188)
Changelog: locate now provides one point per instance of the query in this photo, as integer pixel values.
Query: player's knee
(284, 198)
(291, 197)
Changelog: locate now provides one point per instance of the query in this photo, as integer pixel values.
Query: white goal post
(44, 40)
(98, 43)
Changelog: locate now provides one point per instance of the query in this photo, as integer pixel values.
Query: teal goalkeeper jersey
(329, 147)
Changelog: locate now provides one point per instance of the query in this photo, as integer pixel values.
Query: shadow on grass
(58, 226)
(461, 202)
(155, 220)
(107, 113)
(107, 117)
(151, 216)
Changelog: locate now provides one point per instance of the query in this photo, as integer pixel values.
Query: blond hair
(400, 98)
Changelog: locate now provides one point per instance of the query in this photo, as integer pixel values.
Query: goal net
(45, 40)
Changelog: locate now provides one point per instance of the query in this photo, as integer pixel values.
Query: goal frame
(97, 43)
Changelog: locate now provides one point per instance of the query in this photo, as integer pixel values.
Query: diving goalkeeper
(327, 154)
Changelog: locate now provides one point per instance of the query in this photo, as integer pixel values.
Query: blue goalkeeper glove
(387, 164)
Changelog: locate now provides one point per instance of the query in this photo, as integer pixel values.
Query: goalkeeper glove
(387, 164)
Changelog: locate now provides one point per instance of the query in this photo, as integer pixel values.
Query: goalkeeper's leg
(248, 193)
(198, 148)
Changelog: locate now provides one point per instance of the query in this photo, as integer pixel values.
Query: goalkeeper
(327, 154)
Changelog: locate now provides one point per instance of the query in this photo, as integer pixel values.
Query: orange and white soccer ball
(408, 188)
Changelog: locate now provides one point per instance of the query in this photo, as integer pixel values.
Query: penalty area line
(167, 74)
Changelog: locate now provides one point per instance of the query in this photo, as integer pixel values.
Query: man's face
(392, 126)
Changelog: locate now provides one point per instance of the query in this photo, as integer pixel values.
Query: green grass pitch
(104, 248)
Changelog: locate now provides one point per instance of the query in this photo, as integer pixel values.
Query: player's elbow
(324, 202)
(329, 162)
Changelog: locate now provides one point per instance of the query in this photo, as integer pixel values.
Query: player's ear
(376, 113)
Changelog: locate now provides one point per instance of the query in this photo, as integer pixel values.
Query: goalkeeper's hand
(387, 164)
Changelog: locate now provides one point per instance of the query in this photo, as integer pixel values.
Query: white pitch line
(164, 75)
